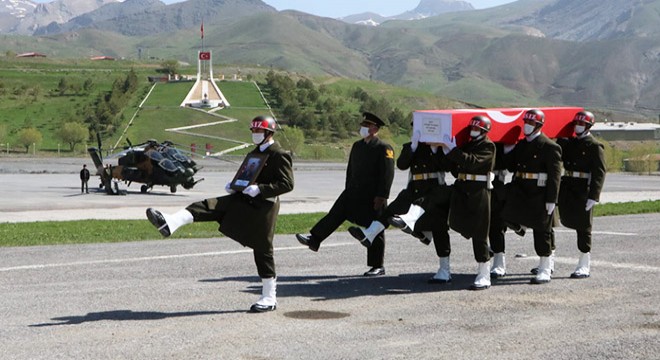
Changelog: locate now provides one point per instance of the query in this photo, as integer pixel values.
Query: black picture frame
(248, 171)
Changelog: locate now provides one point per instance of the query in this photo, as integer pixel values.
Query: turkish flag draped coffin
(507, 123)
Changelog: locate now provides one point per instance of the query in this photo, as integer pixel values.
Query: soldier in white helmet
(584, 175)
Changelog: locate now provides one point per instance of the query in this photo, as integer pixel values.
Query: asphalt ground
(49, 189)
(188, 299)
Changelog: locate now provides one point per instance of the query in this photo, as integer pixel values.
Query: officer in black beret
(369, 177)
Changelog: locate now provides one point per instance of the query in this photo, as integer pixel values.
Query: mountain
(58, 11)
(12, 11)
(426, 8)
(108, 12)
(595, 53)
(147, 17)
(584, 20)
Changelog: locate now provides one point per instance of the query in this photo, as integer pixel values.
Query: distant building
(627, 131)
(102, 58)
(31, 54)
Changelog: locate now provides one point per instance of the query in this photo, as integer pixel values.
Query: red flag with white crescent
(205, 55)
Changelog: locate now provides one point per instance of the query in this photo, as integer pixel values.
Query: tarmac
(187, 299)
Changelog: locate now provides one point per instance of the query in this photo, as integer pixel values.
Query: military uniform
(426, 188)
(536, 168)
(369, 174)
(251, 220)
(497, 199)
(584, 175)
(469, 210)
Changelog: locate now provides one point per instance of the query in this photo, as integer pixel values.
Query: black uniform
(584, 175)
(369, 174)
(497, 200)
(469, 211)
(426, 188)
(528, 192)
(251, 221)
(84, 179)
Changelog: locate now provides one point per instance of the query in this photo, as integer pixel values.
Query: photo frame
(248, 171)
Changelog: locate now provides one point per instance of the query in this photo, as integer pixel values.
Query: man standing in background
(84, 179)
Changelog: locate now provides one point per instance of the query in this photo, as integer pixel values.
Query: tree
(88, 85)
(73, 133)
(62, 86)
(29, 136)
(170, 66)
(292, 139)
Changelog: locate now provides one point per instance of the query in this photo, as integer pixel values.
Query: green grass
(627, 208)
(111, 231)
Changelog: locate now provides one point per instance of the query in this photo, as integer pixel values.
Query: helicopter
(149, 163)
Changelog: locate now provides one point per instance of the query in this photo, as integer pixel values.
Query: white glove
(229, 189)
(550, 207)
(590, 204)
(414, 141)
(252, 190)
(508, 148)
(449, 145)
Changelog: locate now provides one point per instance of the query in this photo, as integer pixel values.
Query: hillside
(596, 53)
(32, 96)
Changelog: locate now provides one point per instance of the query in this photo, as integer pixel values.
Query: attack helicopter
(149, 163)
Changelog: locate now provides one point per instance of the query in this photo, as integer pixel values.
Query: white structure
(205, 93)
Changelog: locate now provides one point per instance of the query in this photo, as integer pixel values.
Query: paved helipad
(187, 299)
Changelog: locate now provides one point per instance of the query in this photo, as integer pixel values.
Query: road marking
(598, 232)
(151, 258)
(626, 266)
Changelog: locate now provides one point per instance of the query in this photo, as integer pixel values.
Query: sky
(339, 8)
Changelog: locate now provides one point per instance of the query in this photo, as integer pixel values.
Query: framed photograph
(248, 172)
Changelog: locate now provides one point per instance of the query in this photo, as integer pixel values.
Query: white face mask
(258, 138)
(579, 129)
(475, 134)
(364, 131)
(528, 129)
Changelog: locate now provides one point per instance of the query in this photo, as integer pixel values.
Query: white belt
(577, 174)
(472, 177)
(426, 176)
(541, 178)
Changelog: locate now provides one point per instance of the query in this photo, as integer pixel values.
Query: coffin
(438, 126)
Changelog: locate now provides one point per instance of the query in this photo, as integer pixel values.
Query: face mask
(257, 138)
(475, 134)
(579, 129)
(364, 131)
(528, 129)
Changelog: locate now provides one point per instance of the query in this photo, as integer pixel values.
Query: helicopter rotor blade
(98, 140)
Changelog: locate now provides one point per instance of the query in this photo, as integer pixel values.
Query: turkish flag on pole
(202, 29)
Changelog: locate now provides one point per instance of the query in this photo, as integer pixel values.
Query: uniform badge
(389, 154)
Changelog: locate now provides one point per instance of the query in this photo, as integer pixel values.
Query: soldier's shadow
(321, 288)
(127, 315)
